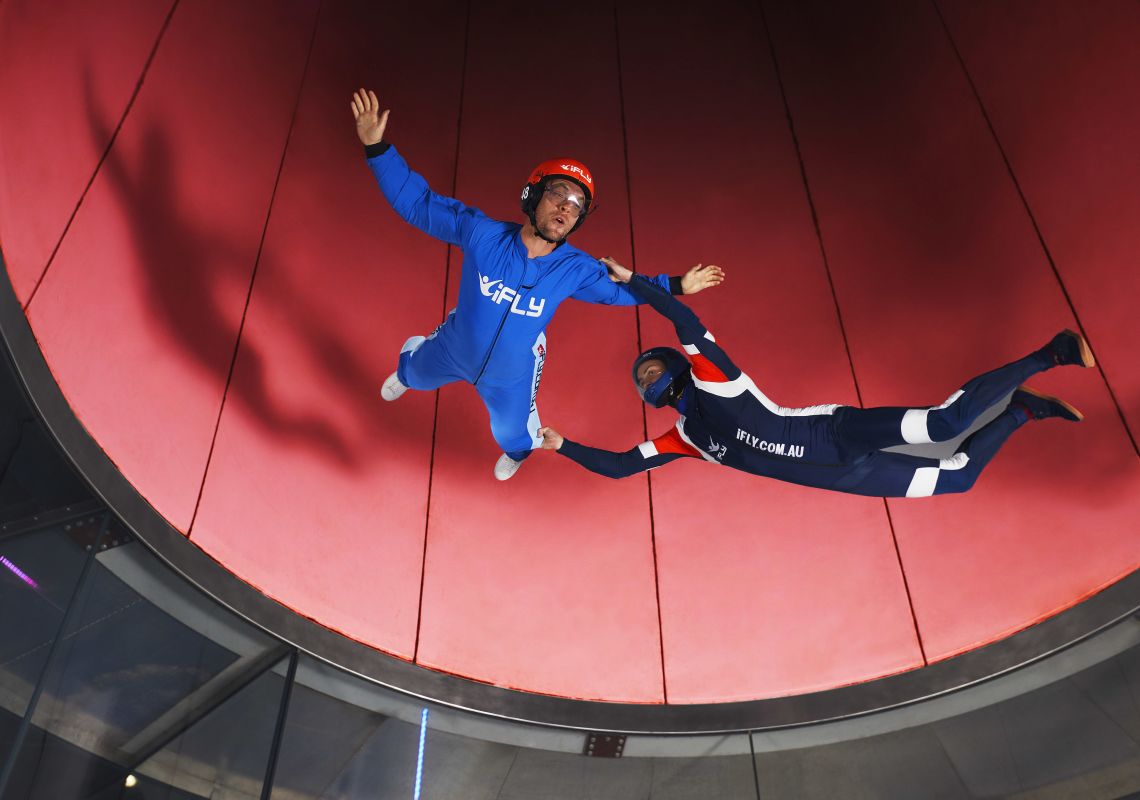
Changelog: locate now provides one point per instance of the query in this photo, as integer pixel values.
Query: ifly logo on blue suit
(498, 293)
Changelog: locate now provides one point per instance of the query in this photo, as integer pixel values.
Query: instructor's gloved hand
(370, 122)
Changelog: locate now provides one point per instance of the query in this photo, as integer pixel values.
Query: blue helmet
(672, 381)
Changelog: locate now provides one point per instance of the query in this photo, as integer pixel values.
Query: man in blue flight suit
(514, 276)
(727, 420)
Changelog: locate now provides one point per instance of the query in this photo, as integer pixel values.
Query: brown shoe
(1042, 406)
(1069, 347)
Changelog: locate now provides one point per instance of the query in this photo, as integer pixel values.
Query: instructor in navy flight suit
(514, 276)
(726, 419)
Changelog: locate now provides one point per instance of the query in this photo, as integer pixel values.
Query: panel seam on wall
(755, 769)
(906, 583)
(442, 317)
(103, 157)
(1033, 220)
(256, 265)
(810, 202)
(835, 300)
(640, 346)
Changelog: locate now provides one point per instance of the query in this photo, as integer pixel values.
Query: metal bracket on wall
(83, 532)
(92, 509)
(604, 745)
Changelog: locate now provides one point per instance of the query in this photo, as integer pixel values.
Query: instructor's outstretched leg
(890, 474)
(868, 429)
(1025, 405)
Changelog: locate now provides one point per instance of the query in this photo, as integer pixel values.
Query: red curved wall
(220, 289)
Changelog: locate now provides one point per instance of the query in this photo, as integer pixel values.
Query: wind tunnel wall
(903, 195)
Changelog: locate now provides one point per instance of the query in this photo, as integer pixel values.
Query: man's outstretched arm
(710, 362)
(606, 288)
(408, 193)
(645, 456)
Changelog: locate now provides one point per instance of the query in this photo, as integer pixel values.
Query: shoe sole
(508, 475)
(411, 345)
(389, 394)
(1087, 358)
(1050, 398)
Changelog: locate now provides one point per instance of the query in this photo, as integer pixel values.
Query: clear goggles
(560, 194)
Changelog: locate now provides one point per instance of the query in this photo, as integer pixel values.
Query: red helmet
(568, 168)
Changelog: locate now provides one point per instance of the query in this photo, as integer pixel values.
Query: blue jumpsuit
(495, 336)
(727, 420)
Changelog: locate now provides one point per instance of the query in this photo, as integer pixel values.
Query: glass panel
(124, 664)
(224, 755)
(533, 773)
(33, 476)
(38, 574)
(337, 749)
(143, 657)
(710, 776)
(50, 768)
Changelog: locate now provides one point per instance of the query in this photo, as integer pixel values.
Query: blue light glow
(420, 758)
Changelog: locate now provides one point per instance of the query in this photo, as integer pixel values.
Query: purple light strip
(19, 573)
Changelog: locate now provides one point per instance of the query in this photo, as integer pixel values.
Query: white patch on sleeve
(691, 349)
(709, 336)
(923, 482)
(648, 449)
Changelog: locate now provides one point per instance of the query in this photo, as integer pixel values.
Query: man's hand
(701, 277)
(618, 273)
(370, 122)
(551, 439)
